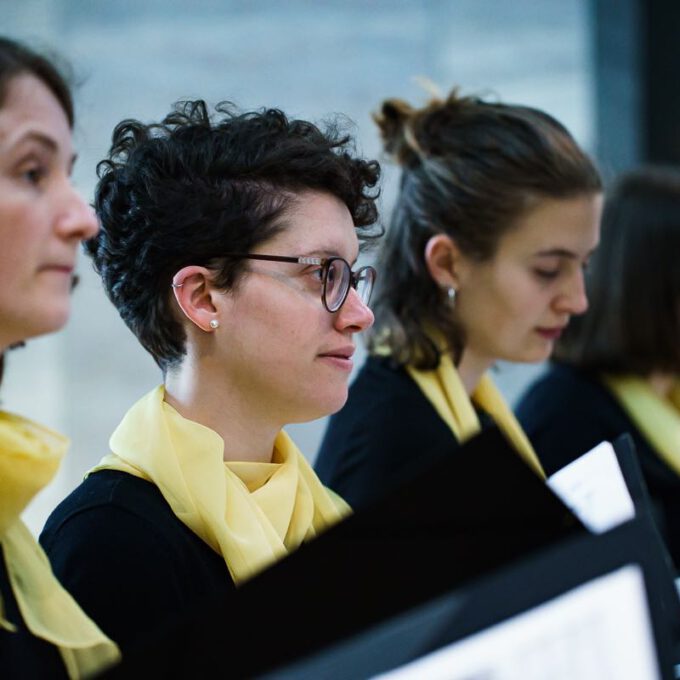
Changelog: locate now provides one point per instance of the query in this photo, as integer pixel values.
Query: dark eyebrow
(40, 138)
(326, 254)
(557, 252)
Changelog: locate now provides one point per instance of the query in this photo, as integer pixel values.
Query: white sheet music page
(594, 489)
(598, 631)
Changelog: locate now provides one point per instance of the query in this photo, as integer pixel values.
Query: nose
(574, 300)
(354, 316)
(76, 220)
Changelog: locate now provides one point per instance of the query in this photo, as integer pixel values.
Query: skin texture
(513, 305)
(42, 218)
(278, 356)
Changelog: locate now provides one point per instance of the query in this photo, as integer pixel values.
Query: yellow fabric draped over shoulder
(444, 389)
(657, 418)
(29, 457)
(250, 513)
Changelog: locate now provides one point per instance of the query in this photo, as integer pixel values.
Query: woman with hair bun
(497, 214)
(43, 631)
(617, 368)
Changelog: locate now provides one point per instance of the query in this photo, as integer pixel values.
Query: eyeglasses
(336, 275)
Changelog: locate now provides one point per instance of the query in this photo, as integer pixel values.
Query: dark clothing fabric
(22, 655)
(384, 436)
(567, 412)
(118, 548)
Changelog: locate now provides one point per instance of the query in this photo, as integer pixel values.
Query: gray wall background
(308, 57)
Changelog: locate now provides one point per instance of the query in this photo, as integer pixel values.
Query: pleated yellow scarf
(657, 418)
(250, 513)
(445, 391)
(29, 457)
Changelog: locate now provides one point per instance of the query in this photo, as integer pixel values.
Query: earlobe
(441, 258)
(194, 293)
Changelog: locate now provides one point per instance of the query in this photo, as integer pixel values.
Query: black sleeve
(117, 566)
(375, 451)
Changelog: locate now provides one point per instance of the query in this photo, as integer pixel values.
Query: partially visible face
(514, 306)
(285, 354)
(42, 218)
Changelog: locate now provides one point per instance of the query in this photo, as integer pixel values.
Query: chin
(321, 406)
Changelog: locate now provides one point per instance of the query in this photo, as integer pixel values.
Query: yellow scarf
(446, 392)
(251, 513)
(658, 419)
(29, 457)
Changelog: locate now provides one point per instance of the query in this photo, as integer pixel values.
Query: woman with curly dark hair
(497, 212)
(227, 244)
(43, 632)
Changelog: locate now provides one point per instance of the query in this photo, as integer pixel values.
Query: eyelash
(547, 275)
(35, 174)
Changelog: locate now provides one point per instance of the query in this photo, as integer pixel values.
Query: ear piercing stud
(214, 323)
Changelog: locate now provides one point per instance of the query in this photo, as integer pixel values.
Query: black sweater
(116, 545)
(384, 436)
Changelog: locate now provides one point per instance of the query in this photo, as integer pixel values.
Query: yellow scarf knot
(250, 513)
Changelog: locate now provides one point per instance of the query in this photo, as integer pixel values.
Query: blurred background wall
(133, 58)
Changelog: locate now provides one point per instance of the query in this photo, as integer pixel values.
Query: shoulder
(111, 497)
(119, 549)
(566, 412)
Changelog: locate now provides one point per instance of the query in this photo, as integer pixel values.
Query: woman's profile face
(42, 218)
(277, 344)
(515, 305)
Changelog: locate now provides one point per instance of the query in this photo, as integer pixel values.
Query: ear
(196, 296)
(443, 259)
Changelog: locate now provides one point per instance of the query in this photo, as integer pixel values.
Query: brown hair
(470, 169)
(633, 281)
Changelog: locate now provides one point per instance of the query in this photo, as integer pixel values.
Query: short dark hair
(188, 189)
(17, 59)
(470, 169)
(633, 281)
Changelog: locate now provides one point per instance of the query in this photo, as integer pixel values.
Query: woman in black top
(616, 368)
(43, 632)
(228, 245)
(497, 211)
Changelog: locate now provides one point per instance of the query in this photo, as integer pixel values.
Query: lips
(340, 353)
(56, 267)
(551, 333)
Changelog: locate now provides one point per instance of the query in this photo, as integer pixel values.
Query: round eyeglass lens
(365, 278)
(338, 277)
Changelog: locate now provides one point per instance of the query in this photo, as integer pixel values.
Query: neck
(198, 392)
(471, 369)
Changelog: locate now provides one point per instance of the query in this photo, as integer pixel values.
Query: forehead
(570, 224)
(30, 109)
(316, 223)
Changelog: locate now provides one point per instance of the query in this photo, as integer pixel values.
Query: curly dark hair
(470, 169)
(192, 187)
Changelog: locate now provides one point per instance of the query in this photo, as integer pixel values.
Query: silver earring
(214, 323)
(451, 295)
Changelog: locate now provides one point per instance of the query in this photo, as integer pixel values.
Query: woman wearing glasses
(226, 245)
(497, 213)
